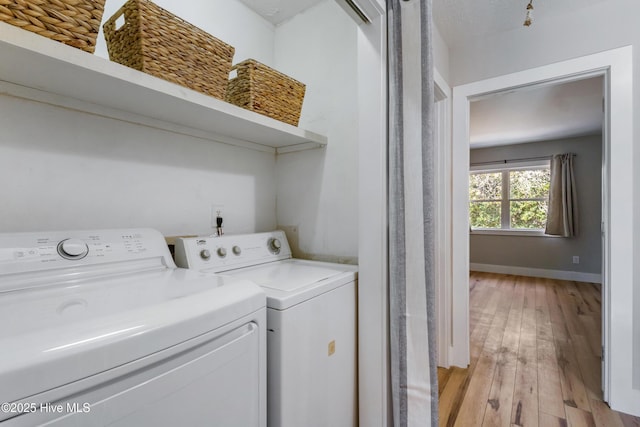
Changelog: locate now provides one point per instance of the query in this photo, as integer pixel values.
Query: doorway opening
(614, 66)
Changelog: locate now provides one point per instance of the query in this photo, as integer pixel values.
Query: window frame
(505, 202)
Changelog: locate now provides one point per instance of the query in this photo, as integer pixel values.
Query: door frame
(374, 388)
(616, 66)
(442, 153)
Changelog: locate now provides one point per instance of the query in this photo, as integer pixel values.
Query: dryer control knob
(236, 250)
(222, 252)
(274, 245)
(205, 254)
(73, 249)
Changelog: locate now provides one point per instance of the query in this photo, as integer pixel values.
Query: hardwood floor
(535, 357)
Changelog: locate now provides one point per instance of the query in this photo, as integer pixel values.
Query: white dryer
(100, 328)
(311, 324)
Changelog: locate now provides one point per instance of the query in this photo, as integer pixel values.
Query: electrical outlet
(576, 259)
(216, 211)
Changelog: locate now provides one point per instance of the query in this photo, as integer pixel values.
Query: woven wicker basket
(266, 91)
(72, 22)
(159, 43)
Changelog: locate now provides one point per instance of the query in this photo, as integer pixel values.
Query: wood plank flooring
(535, 357)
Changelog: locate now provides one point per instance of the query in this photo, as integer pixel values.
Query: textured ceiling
(278, 11)
(463, 20)
(538, 114)
(526, 115)
(457, 20)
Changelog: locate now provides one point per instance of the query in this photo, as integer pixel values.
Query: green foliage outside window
(485, 191)
(527, 199)
(529, 184)
(485, 214)
(528, 215)
(485, 186)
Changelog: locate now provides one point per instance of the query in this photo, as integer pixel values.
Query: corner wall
(318, 189)
(441, 55)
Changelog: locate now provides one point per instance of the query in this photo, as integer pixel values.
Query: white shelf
(37, 68)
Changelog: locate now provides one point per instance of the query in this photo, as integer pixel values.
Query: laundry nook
(319, 213)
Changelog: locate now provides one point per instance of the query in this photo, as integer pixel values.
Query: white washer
(311, 324)
(100, 328)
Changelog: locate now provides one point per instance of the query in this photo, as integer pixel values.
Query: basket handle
(110, 25)
(233, 73)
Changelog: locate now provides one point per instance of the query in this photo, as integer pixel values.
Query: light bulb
(529, 18)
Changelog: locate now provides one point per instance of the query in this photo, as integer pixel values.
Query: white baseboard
(537, 272)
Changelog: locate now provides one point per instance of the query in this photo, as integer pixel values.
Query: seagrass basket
(266, 91)
(72, 22)
(157, 42)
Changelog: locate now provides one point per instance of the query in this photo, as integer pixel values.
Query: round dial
(73, 249)
(205, 254)
(236, 250)
(222, 252)
(274, 245)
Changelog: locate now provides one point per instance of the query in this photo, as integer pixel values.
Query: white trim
(372, 9)
(620, 226)
(442, 137)
(459, 355)
(373, 347)
(509, 232)
(510, 165)
(616, 66)
(577, 276)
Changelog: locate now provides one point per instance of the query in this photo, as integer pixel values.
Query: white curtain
(562, 213)
(411, 215)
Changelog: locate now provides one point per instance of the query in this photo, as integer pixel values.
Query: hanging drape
(411, 213)
(562, 213)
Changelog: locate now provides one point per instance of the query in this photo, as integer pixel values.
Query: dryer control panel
(80, 249)
(229, 252)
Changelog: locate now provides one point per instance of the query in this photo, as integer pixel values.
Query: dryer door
(216, 382)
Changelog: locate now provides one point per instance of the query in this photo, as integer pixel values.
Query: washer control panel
(229, 252)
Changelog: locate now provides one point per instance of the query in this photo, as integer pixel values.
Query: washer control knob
(222, 252)
(205, 254)
(236, 250)
(73, 249)
(274, 245)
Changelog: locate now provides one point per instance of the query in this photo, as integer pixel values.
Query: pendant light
(529, 18)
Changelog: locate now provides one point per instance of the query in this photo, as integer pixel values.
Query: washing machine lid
(292, 281)
(58, 334)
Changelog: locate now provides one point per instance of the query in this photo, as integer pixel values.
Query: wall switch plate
(576, 259)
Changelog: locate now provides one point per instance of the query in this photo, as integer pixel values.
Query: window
(513, 197)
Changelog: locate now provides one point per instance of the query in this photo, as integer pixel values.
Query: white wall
(317, 189)
(228, 20)
(441, 55)
(602, 26)
(69, 169)
(63, 169)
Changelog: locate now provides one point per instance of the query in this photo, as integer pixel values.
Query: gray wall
(550, 253)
